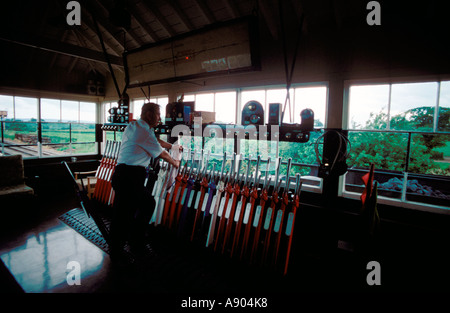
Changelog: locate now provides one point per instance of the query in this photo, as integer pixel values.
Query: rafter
(181, 15)
(299, 11)
(100, 21)
(59, 47)
(232, 8)
(112, 46)
(99, 7)
(137, 17)
(55, 56)
(205, 11)
(149, 6)
(72, 65)
(81, 41)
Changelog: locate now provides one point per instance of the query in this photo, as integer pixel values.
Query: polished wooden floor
(36, 249)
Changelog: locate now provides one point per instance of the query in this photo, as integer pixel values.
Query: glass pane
(430, 154)
(162, 104)
(368, 107)
(253, 95)
(87, 112)
(106, 107)
(21, 133)
(61, 149)
(25, 108)
(300, 153)
(50, 110)
(189, 98)
(444, 107)
(162, 101)
(88, 148)
(278, 96)
(314, 98)
(70, 111)
(215, 145)
(250, 147)
(55, 133)
(413, 106)
(303, 153)
(110, 135)
(204, 102)
(83, 132)
(430, 190)
(137, 107)
(386, 150)
(55, 150)
(226, 107)
(390, 184)
(6, 107)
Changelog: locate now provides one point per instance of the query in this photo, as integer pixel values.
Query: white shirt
(139, 143)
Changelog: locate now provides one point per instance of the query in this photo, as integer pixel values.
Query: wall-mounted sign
(223, 48)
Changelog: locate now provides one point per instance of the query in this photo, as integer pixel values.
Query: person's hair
(152, 108)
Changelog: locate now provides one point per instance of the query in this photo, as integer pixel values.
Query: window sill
(403, 204)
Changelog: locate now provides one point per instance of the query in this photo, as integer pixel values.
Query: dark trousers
(133, 206)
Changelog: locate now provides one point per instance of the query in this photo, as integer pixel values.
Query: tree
(389, 150)
(422, 118)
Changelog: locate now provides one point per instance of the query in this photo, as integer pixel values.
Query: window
(443, 123)
(204, 102)
(314, 98)
(403, 129)
(66, 127)
(225, 106)
(223, 103)
(301, 97)
(135, 113)
(19, 126)
(138, 103)
(367, 103)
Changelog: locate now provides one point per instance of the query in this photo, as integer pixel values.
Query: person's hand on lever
(179, 147)
(175, 163)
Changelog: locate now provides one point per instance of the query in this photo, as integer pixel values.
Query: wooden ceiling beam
(232, 8)
(96, 43)
(149, 6)
(92, 14)
(183, 18)
(103, 18)
(60, 48)
(82, 42)
(138, 18)
(206, 12)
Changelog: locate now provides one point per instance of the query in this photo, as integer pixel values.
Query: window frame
(316, 183)
(403, 201)
(39, 144)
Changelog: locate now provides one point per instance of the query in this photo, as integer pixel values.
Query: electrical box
(179, 113)
(274, 113)
(207, 117)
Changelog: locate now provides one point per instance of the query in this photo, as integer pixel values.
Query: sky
(51, 109)
(364, 99)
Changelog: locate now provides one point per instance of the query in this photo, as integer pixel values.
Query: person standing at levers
(133, 203)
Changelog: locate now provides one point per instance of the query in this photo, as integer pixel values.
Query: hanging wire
(289, 74)
(99, 34)
(342, 140)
